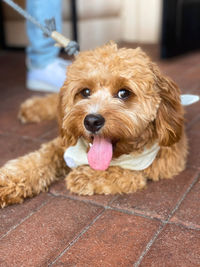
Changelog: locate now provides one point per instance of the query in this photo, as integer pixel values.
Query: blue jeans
(41, 50)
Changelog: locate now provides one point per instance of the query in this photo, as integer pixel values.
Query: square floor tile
(175, 246)
(189, 210)
(45, 234)
(116, 239)
(159, 198)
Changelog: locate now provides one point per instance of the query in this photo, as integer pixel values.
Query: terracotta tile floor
(159, 226)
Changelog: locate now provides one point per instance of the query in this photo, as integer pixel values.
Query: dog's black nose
(94, 122)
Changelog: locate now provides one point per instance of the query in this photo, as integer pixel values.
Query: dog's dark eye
(85, 92)
(123, 94)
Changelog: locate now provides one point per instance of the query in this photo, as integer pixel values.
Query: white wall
(100, 21)
(141, 20)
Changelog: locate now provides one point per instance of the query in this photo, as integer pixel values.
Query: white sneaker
(48, 79)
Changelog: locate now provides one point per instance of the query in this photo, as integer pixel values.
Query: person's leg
(41, 50)
(46, 71)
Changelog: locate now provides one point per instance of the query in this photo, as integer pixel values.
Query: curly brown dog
(120, 121)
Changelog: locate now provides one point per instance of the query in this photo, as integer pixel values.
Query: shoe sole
(41, 86)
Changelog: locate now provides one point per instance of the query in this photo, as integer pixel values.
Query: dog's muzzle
(94, 122)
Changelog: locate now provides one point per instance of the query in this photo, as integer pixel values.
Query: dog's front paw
(115, 180)
(10, 191)
(79, 182)
(37, 109)
(29, 110)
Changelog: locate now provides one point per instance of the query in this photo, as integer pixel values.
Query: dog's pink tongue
(100, 154)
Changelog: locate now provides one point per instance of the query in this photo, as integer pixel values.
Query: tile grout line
(164, 223)
(150, 243)
(42, 137)
(112, 200)
(192, 122)
(181, 224)
(108, 207)
(24, 219)
(77, 237)
(125, 211)
(25, 137)
(77, 199)
(184, 196)
(135, 213)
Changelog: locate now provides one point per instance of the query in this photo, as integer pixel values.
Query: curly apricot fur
(152, 113)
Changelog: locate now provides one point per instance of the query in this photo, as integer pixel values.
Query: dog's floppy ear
(64, 130)
(60, 112)
(169, 119)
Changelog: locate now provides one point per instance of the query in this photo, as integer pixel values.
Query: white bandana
(75, 156)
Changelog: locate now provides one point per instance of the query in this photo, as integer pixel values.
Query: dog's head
(120, 96)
